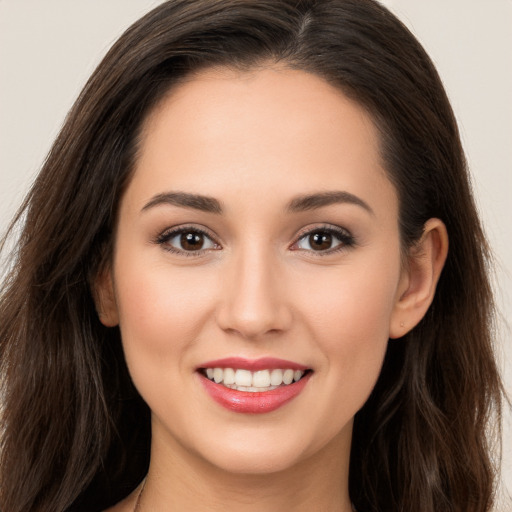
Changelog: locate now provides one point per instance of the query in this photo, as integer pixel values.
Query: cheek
(160, 311)
(355, 300)
(350, 321)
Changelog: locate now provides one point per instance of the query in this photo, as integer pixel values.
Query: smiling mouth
(253, 386)
(253, 382)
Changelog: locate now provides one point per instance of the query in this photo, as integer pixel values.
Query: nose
(253, 298)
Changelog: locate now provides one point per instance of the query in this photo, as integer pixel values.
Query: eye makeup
(194, 241)
(191, 240)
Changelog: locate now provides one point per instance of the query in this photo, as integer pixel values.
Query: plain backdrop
(48, 48)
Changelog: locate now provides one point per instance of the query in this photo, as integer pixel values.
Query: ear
(105, 299)
(419, 278)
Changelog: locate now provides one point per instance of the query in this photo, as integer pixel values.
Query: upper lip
(253, 365)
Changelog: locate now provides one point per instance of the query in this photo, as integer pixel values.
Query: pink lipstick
(253, 365)
(234, 383)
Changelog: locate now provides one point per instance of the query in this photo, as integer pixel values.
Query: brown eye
(320, 241)
(191, 241)
(325, 240)
(186, 241)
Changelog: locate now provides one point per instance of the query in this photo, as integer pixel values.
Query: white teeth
(252, 389)
(243, 378)
(261, 380)
(288, 376)
(229, 376)
(276, 377)
(218, 375)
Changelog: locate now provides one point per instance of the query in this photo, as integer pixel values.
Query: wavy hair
(75, 434)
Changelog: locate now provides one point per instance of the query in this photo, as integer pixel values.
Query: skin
(255, 141)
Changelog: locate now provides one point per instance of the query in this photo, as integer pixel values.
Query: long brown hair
(75, 434)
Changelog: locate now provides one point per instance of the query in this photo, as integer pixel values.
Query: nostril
(253, 323)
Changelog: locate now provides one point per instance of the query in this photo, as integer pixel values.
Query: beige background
(48, 48)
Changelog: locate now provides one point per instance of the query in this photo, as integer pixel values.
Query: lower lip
(256, 402)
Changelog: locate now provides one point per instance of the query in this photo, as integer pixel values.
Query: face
(259, 233)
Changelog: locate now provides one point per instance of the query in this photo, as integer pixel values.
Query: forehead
(220, 130)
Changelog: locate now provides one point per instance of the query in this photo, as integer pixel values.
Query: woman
(233, 285)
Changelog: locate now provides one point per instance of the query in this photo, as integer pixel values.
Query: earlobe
(419, 278)
(104, 299)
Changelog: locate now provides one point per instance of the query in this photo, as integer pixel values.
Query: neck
(179, 480)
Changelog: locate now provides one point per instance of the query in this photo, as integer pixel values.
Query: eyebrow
(185, 200)
(321, 199)
(297, 204)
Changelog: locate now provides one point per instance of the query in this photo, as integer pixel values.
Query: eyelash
(168, 235)
(342, 235)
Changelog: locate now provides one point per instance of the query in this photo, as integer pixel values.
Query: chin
(265, 453)
(256, 462)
